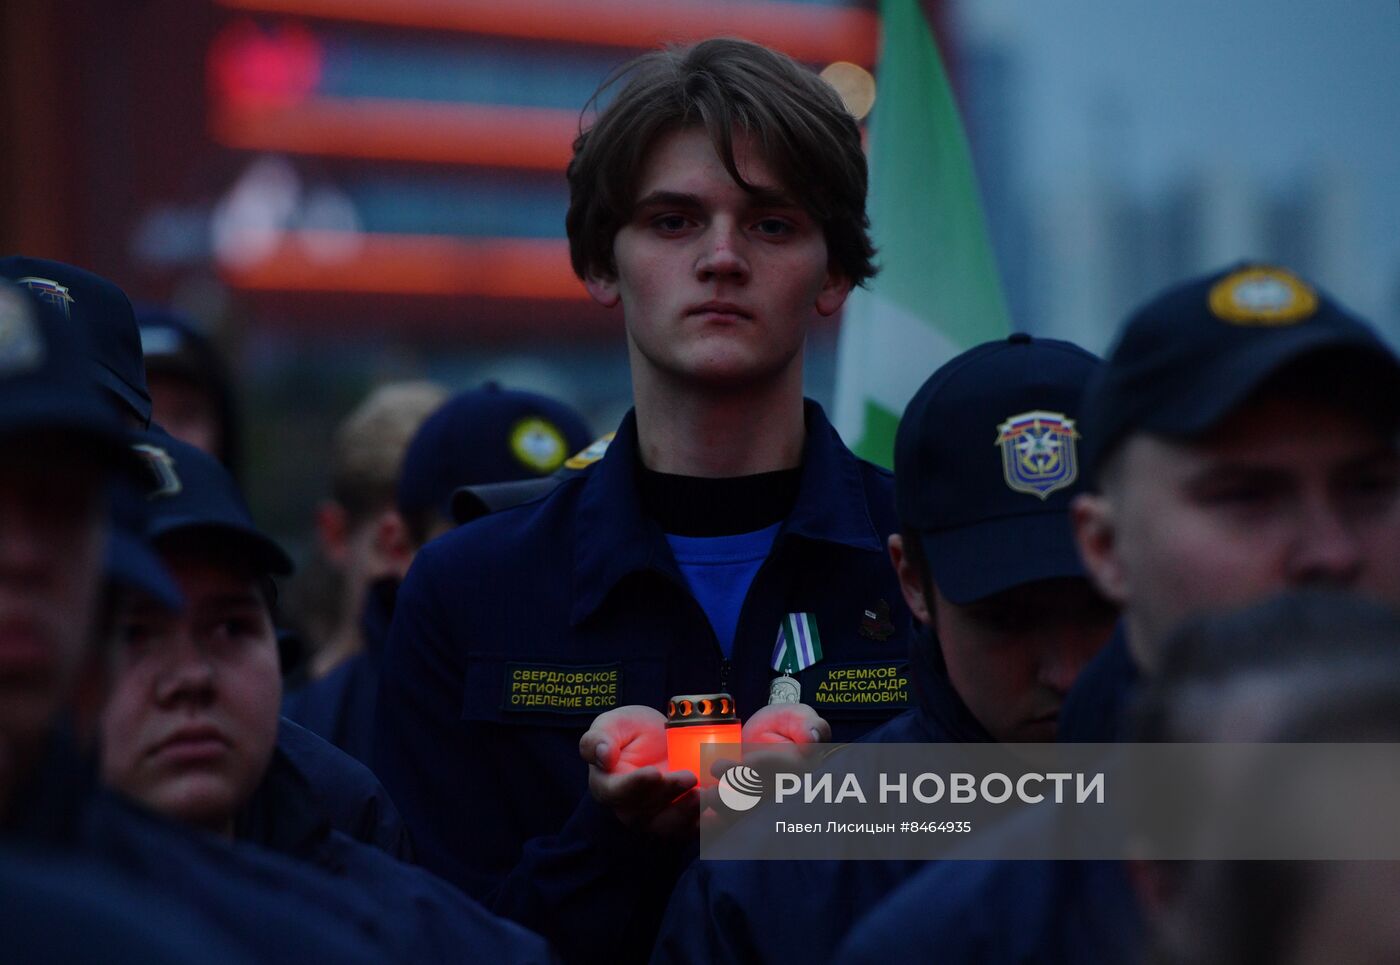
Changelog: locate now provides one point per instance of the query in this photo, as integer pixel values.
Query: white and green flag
(938, 292)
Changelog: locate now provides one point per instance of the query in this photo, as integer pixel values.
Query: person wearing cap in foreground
(348, 793)
(112, 342)
(986, 464)
(1240, 441)
(190, 727)
(718, 200)
(481, 436)
(61, 445)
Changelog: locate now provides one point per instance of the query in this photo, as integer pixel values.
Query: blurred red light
(251, 65)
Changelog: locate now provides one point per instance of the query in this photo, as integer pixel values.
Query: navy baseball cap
(1189, 357)
(131, 562)
(192, 493)
(172, 342)
(102, 309)
(45, 376)
(486, 435)
(986, 463)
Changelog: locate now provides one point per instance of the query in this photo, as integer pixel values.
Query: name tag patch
(562, 688)
(851, 685)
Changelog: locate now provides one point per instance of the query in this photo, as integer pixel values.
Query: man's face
(52, 533)
(1013, 657)
(717, 284)
(186, 410)
(1282, 494)
(191, 722)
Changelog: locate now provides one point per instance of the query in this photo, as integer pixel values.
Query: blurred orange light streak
(417, 265)
(477, 134)
(808, 32)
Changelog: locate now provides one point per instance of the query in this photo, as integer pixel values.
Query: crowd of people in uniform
(445, 741)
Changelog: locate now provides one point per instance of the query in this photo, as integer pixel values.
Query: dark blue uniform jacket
(514, 631)
(354, 904)
(271, 909)
(1079, 912)
(288, 816)
(726, 910)
(598, 891)
(340, 706)
(64, 910)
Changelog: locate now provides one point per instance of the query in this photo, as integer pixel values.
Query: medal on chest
(799, 645)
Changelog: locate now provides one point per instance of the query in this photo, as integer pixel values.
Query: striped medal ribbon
(799, 646)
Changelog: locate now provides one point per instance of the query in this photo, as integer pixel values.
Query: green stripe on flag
(876, 442)
(938, 291)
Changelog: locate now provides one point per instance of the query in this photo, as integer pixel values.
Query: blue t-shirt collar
(613, 539)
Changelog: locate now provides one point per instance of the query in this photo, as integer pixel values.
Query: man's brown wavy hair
(805, 133)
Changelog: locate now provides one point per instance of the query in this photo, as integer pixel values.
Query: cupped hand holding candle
(786, 724)
(625, 749)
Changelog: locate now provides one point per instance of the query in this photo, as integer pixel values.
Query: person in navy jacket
(719, 201)
(1240, 441)
(1008, 619)
(191, 728)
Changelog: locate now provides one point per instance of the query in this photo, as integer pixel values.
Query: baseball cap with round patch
(1190, 356)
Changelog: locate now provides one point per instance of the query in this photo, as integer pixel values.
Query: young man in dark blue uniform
(1241, 442)
(481, 436)
(190, 727)
(719, 200)
(986, 465)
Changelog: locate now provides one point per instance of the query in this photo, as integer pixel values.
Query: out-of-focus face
(191, 722)
(187, 411)
(717, 284)
(1013, 657)
(52, 534)
(1282, 494)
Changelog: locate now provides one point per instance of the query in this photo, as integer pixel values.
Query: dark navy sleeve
(596, 890)
(421, 753)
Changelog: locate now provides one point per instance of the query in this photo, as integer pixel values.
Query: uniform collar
(613, 538)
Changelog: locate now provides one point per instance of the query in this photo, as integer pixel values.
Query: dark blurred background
(344, 192)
